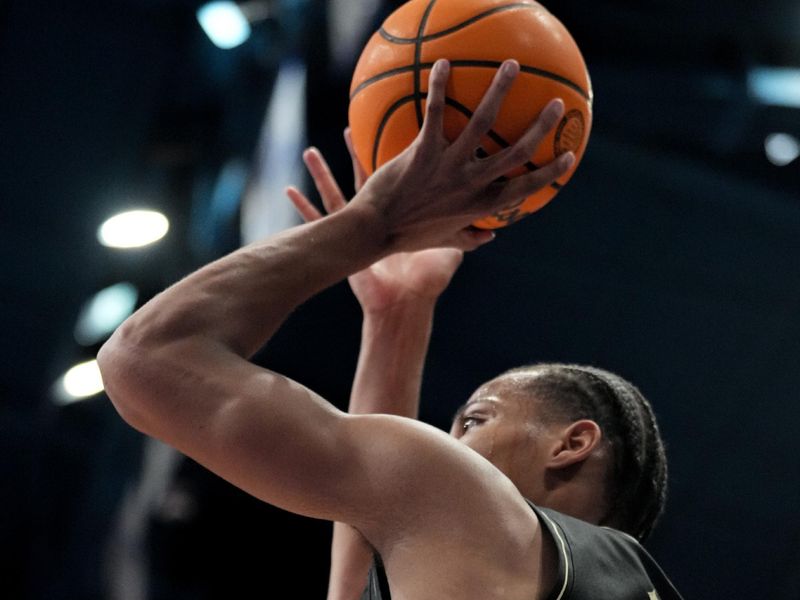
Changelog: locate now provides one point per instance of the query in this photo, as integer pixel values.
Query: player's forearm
(351, 558)
(241, 299)
(235, 304)
(394, 343)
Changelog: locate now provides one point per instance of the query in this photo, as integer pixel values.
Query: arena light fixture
(104, 312)
(781, 148)
(225, 24)
(229, 24)
(775, 86)
(79, 383)
(133, 229)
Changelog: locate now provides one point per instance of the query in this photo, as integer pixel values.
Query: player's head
(574, 438)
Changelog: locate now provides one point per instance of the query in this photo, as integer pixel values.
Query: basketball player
(397, 296)
(447, 515)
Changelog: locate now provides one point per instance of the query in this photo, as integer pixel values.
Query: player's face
(502, 423)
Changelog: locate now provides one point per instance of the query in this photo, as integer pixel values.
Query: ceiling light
(80, 382)
(104, 312)
(133, 229)
(781, 148)
(224, 23)
(775, 86)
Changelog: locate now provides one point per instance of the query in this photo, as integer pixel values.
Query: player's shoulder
(451, 523)
(425, 469)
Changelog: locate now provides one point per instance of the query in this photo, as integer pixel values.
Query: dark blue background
(672, 258)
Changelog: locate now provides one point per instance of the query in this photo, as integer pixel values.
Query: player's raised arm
(177, 369)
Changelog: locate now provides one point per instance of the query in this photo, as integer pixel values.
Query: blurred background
(671, 257)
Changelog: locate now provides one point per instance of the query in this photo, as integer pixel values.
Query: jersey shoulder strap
(377, 583)
(600, 563)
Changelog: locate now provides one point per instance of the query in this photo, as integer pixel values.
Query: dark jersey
(595, 563)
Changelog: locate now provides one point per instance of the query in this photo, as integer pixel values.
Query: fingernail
(509, 67)
(567, 160)
(442, 66)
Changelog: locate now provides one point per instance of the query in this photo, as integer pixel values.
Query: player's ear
(576, 442)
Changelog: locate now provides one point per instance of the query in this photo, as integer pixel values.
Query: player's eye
(471, 421)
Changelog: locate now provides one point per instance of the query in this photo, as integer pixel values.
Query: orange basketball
(389, 87)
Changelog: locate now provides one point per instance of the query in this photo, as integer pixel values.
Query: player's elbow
(123, 368)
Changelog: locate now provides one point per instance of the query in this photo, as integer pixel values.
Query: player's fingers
(432, 127)
(525, 185)
(484, 116)
(523, 149)
(329, 191)
(303, 205)
(359, 174)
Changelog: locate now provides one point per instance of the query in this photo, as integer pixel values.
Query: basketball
(389, 86)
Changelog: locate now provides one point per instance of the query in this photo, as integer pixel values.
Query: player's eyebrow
(472, 401)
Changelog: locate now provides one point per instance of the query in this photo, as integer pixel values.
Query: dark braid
(638, 487)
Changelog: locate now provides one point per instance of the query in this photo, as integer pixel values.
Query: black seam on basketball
(496, 137)
(493, 64)
(386, 75)
(417, 58)
(394, 39)
(417, 67)
(432, 36)
(386, 116)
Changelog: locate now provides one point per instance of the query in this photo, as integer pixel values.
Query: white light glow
(133, 229)
(224, 23)
(775, 86)
(80, 382)
(104, 312)
(781, 148)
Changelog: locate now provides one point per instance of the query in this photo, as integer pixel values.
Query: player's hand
(431, 192)
(398, 279)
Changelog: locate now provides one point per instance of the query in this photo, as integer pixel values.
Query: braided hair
(638, 486)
